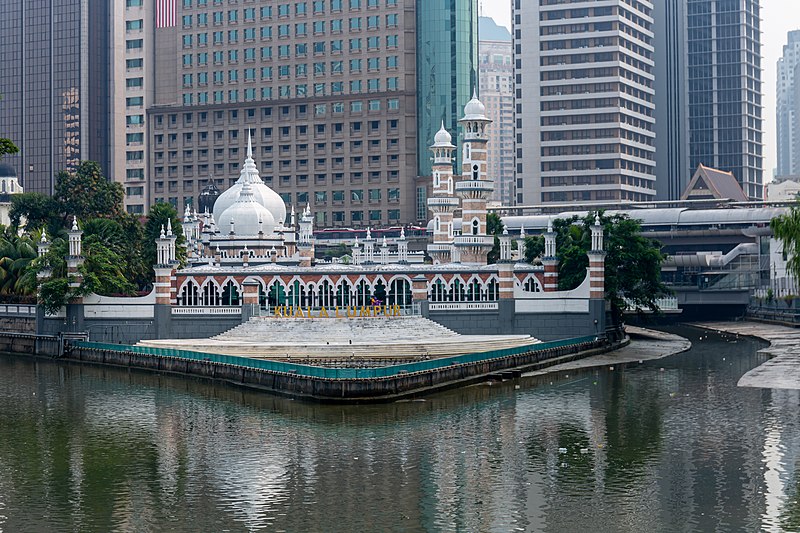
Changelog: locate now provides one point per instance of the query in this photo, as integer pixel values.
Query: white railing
(17, 309)
(669, 303)
(474, 239)
(206, 310)
(463, 306)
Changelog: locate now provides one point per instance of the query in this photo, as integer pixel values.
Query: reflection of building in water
(72, 128)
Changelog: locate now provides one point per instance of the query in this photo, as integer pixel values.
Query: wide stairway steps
(407, 337)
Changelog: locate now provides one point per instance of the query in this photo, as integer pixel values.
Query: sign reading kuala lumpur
(338, 312)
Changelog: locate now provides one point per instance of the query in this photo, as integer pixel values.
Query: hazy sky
(777, 18)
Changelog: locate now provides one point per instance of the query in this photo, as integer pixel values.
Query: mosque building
(245, 239)
(246, 256)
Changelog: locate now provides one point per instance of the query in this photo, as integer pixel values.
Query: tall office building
(496, 77)
(447, 69)
(132, 80)
(329, 90)
(788, 108)
(53, 80)
(584, 100)
(724, 78)
(671, 99)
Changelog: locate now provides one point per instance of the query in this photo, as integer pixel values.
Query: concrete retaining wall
(18, 324)
(505, 321)
(29, 344)
(338, 390)
(130, 330)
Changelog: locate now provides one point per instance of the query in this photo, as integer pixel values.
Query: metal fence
(336, 373)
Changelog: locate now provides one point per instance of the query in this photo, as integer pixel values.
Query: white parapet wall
(574, 301)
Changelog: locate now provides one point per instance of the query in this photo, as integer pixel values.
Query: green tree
(632, 262)
(38, 210)
(786, 228)
(16, 254)
(87, 194)
(494, 226)
(160, 215)
(7, 147)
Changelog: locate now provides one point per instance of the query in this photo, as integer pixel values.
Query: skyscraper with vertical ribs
(54, 91)
(585, 127)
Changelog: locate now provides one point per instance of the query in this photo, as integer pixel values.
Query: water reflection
(670, 445)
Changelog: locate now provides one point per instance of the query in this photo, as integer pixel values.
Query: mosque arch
(399, 291)
(190, 294)
(532, 284)
(231, 294)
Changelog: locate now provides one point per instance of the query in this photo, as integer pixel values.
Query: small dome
(7, 171)
(248, 215)
(474, 110)
(262, 194)
(443, 137)
(208, 196)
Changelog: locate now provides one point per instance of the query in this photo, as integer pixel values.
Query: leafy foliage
(86, 193)
(16, 255)
(7, 147)
(38, 210)
(160, 215)
(494, 226)
(632, 263)
(786, 228)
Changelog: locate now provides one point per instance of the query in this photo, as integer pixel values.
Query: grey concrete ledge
(782, 371)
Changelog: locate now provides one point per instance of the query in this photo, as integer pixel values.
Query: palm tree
(16, 254)
(786, 228)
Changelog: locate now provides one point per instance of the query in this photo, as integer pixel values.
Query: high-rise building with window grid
(329, 89)
(708, 92)
(54, 95)
(788, 108)
(584, 88)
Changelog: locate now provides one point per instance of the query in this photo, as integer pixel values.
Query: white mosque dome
(259, 190)
(474, 110)
(443, 137)
(248, 215)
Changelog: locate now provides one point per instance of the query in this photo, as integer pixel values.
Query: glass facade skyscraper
(724, 79)
(585, 127)
(447, 61)
(788, 108)
(55, 93)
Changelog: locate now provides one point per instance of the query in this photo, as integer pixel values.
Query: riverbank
(645, 345)
(782, 371)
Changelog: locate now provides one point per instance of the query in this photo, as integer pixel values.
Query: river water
(668, 445)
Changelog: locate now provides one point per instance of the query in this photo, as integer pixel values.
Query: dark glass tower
(55, 86)
(724, 89)
(447, 63)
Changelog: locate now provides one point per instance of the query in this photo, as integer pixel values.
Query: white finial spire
(369, 233)
(169, 227)
(74, 223)
(402, 234)
(384, 242)
(549, 225)
(162, 231)
(522, 230)
(597, 219)
(505, 231)
(44, 234)
(249, 145)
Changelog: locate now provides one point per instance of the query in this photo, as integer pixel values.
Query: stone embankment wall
(338, 390)
(18, 324)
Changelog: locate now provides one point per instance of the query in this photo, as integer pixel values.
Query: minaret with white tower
(443, 202)
(475, 187)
